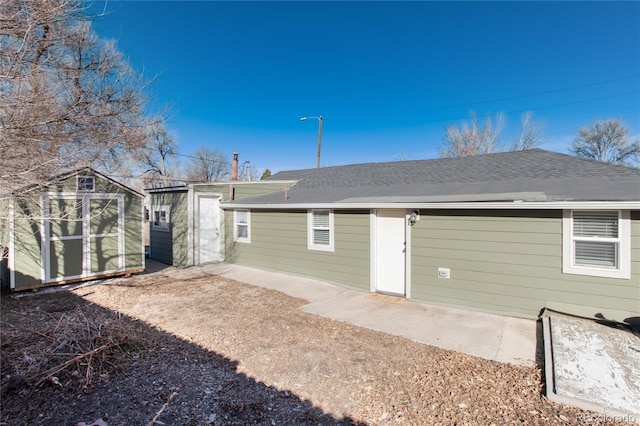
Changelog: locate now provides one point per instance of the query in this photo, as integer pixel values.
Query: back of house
(508, 233)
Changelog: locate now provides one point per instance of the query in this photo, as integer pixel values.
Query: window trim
(310, 228)
(154, 224)
(83, 188)
(236, 238)
(623, 271)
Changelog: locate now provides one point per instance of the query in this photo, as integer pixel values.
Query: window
(320, 230)
(241, 225)
(86, 183)
(161, 218)
(597, 243)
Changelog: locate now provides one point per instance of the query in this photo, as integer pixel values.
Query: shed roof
(534, 175)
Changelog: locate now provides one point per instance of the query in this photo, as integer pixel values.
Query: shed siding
(279, 242)
(133, 240)
(28, 241)
(510, 262)
(170, 247)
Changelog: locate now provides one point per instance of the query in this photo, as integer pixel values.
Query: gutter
(490, 205)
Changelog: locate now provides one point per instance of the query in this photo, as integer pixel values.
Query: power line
(545, 92)
(542, 107)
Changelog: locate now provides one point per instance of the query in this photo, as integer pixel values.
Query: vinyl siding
(279, 243)
(28, 260)
(171, 246)
(510, 262)
(240, 189)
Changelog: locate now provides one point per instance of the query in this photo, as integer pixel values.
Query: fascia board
(512, 205)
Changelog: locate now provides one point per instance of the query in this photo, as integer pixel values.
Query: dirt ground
(153, 349)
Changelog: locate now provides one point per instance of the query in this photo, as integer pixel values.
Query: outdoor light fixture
(319, 118)
(413, 217)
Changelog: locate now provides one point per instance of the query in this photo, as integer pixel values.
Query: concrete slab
(592, 365)
(503, 339)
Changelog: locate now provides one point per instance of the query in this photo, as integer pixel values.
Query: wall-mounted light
(413, 217)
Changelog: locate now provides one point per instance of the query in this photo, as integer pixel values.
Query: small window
(161, 219)
(320, 230)
(242, 223)
(596, 243)
(86, 183)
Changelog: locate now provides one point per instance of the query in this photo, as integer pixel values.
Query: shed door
(84, 237)
(390, 249)
(209, 242)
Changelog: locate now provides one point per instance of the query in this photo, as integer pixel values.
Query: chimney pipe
(234, 167)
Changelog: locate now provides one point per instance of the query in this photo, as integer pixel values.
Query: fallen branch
(162, 408)
(54, 370)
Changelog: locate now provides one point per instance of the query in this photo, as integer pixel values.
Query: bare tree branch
(607, 141)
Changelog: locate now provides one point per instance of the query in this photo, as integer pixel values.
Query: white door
(390, 250)
(209, 247)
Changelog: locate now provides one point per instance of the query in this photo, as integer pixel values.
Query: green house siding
(510, 262)
(170, 246)
(279, 243)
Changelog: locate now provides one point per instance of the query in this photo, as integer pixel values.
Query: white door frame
(373, 254)
(196, 222)
(86, 237)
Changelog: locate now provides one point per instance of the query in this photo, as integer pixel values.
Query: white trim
(143, 248)
(247, 239)
(407, 255)
(193, 255)
(45, 232)
(85, 199)
(624, 249)
(11, 261)
(310, 243)
(372, 251)
(511, 205)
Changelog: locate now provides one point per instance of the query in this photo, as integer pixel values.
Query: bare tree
(607, 141)
(68, 98)
(159, 158)
(207, 165)
(475, 139)
(529, 135)
(470, 140)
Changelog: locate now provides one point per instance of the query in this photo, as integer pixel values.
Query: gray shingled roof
(533, 175)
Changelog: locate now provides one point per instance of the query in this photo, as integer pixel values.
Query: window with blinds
(320, 230)
(596, 239)
(597, 243)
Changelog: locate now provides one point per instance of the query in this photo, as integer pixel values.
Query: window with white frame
(597, 243)
(241, 226)
(161, 218)
(86, 183)
(320, 230)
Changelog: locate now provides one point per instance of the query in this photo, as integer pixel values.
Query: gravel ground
(212, 351)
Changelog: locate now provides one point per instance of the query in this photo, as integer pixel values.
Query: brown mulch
(211, 351)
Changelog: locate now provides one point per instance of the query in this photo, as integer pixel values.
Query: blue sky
(387, 77)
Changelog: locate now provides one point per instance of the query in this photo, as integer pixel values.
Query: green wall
(171, 246)
(279, 243)
(510, 262)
